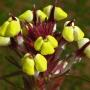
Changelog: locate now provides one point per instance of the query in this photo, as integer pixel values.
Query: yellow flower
(13, 28)
(10, 28)
(59, 14)
(46, 46)
(72, 33)
(32, 64)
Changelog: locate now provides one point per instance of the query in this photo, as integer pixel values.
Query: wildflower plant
(34, 37)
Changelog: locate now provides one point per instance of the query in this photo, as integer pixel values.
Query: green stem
(10, 75)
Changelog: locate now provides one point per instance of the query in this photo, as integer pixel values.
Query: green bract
(72, 33)
(28, 65)
(41, 15)
(59, 14)
(10, 28)
(46, 46)
(26, 16)
(4, 41)
(40, 63)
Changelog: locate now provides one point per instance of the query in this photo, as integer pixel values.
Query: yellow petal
(41, 15)
(13, 28)
(78, 33)
(26, 16)
(47, 10)
(40, 63)
(87, 51)
(38, 43)
(3, 28)
(28, 65)
(59, 14)
(68, 33)
(53, 41)
(47, 48)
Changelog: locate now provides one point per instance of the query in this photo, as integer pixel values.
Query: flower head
(47, 45)
(11, 27)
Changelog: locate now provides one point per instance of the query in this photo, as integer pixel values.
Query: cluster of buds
(35, 34)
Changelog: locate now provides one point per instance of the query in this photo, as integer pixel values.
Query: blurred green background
(78, 9)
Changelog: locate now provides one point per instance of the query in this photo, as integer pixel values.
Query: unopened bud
(59, 14)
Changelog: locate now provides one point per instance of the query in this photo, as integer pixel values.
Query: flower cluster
(35, 34)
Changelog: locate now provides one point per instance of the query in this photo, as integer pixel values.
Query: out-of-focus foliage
(78, 9)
